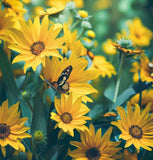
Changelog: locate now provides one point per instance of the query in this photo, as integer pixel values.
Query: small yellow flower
(38, 136)
(103, 67)
(34, 42)
(14, 5)
(70, 114)
(91, 34)
(102, 4)
(145, 99)
(136, 127)
(108, 47)
(146, 70)
(69, 75)
(12, 128)
(140, 34)
(94, 146)
(83, 13)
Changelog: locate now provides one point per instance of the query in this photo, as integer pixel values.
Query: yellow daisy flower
(6, 24)
(70, 114)
(35, 41)
(12, 128)
(146, 70)
(140, 34)
(146, 98)
(108, 47)
(136, 127)
(103, 67)
(95, 147)
(127, 155)
(15, 5)
(69, 75)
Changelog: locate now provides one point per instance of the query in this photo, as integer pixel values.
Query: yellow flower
(127, 155)
(14, 5)
(35, 41)
(70, 114)
(69, 75)
(108, 47)
(83, 13)
(91, 34)
(103, 67)
(102, 4)
(139, 34)
(145, 99)
(12, 128)
(6, 24)
(146, 70)
(95, 147)
(136, 127)
(135, 70)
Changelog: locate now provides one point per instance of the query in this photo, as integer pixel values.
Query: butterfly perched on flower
(61, 85)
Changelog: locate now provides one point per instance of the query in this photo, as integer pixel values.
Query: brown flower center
(66, 117)
(93, 154)
(4, 130)
(37, 47)
(135, 131)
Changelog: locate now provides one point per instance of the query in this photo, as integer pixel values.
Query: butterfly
(62, 86)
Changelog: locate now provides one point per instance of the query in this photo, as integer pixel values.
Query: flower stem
(119, 77)
(140, 97)
(83, 31)
(75, 24)
(30, 106)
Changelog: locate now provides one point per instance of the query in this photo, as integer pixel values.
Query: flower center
(150, 65)
(135, 131)
(66, 117)
(93, 154)
(37, 47)
(4, 130)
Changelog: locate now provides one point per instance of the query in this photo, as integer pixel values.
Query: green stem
(140, 98)
(81, 34)
(119, 77)
(75, 24)
(30, 106)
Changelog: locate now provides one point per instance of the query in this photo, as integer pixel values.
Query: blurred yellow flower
(83, 13)
(127, 155)
(26, 1)
(146, 70)
(69, 75)
(139, 34)
(70, 114)
(103, 67)
(12, 128)
(91, 34)
(136, 126)
(6, 23)
(102, 4)
(108, 47)
(136, 68)
(15, 5)
(35, 41)
(147, 97)
(94, 146)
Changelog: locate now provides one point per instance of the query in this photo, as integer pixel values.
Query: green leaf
(109, 92)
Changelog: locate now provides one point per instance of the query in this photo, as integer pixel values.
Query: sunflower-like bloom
(35, 41)
(140, 34)
(103, 67)
(6, 24)
(12, 128)
(15, 5)
(69, 75)
(136, 126)
(95, 147)
(70, 114)
(146, 69)
(146, 98)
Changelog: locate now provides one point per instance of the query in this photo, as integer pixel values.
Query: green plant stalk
(8, 77)
(140, 98)
(75, 24)
(119, 77)
(81, 34)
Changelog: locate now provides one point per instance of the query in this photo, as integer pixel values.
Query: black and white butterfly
(62, 86)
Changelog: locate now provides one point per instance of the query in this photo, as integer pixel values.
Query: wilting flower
(12, 128)
(69, 75)
(70, 114)
(140, 34)
(15, 5)
(146, 70)
(146, 98)
(136, 127)
(103, 67)
(94, 146)
(35, 41)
